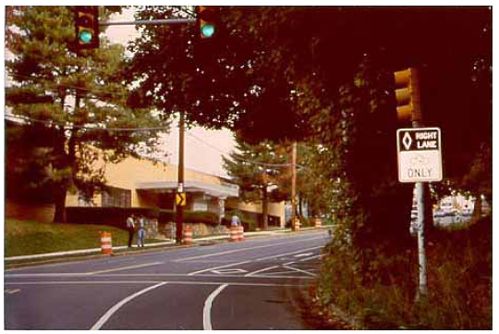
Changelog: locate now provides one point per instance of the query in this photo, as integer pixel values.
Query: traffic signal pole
(410, 108)
(420, 190)
(179, 207)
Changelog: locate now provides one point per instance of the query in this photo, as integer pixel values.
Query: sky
(203, 148)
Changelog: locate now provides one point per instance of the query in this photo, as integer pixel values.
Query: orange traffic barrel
(106, 244)
(241, 233)
(234, 233)
(187, 235)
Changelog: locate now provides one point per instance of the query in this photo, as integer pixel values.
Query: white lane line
(303, 254)
(249, 261)
(84, 274)
(12, 291)
(311, 258)
(116, 307)
(259, 271)
(207, 307)
(125, 268)
(241, 250)
(156, 282)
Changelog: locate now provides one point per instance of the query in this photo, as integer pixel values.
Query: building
(146, 183)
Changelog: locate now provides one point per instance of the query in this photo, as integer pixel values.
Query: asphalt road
(243, 285)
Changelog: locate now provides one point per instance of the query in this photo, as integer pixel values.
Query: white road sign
(419, 155)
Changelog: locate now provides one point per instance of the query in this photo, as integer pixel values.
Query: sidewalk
(96, 251)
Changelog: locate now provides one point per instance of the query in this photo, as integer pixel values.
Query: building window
(116, 197)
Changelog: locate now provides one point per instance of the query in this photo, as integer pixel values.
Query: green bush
(205, 217)
(111, 216)
(459, 266)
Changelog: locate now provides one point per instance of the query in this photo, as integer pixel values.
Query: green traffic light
(208, 30)
(85, 36)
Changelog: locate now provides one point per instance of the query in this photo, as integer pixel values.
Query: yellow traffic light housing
(407, 95)
(86, 27)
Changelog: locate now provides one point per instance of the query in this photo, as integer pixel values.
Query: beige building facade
(151, 184)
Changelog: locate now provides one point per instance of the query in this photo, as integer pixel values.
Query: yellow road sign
(180, 199)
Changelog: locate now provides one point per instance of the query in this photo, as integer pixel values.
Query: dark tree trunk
(60, 205)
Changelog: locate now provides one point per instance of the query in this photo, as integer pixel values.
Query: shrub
(459, 266)
(111, 216)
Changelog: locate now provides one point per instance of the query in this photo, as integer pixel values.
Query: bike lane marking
(250, 261)
(98, 325)
(207, 307)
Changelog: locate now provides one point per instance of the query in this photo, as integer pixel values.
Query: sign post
(420, 160)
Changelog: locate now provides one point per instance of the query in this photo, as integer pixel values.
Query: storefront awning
(215, 190)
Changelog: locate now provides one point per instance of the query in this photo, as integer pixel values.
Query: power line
(258, 163)
(85, 127)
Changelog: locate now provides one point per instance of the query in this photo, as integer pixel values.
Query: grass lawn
(30, 237)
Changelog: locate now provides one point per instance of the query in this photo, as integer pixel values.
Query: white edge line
(124, 268)
(116, 307)
(207, 307)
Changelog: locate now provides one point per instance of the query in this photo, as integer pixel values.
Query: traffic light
(87, 27)
(206, 17)
(407, 95)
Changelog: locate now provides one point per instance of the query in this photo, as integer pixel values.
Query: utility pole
(179, 212)
(295, 224)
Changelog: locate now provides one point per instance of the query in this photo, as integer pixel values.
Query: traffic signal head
(206, 17)
(86, 27)
(407, 95)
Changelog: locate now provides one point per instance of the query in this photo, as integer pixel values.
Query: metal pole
(423, 287)
(179, 217)
(293, 188)
(420, 189)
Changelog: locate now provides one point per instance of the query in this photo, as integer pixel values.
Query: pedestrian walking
(235, 221)
(141, 232)
(130, 226)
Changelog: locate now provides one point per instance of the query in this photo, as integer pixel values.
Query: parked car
(438, 213)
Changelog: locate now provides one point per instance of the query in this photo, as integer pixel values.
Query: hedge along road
(243, 285)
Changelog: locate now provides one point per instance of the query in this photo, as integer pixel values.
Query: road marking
(218, 267)
(12, 291)
(207, 307)
(259, 271)
(240, 250)
(311, 258)
(116, 307)
(300, 270)
(125, 268)
(229, 271)
(249, 261)
(156, 282)
(303, 254)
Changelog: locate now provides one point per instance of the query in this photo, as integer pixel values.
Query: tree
(81, 101)
(326, 75)
(256, 169)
